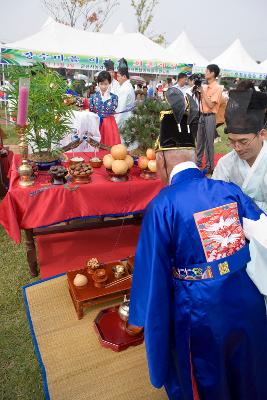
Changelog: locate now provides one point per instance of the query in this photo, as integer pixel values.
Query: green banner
(53, 60)
(228, 73)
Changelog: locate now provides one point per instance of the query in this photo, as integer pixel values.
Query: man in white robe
(246, 164)
(126, 95)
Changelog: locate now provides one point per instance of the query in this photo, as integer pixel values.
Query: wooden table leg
(31, 252)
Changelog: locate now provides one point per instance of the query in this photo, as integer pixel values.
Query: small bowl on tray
(96, 162)
(76, 160)
(100, 277)
(119, 271)
(133, 330)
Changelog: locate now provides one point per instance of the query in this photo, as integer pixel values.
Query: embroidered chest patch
(220, 232)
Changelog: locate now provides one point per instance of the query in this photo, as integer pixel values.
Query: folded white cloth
(256, 232)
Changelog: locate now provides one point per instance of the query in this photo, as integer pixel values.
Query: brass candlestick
(25, 170)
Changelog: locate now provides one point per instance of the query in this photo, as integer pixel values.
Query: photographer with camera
(209, 101)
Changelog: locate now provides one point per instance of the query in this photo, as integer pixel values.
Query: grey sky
(211, 25)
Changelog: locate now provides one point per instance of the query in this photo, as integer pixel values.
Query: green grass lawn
(20, 376)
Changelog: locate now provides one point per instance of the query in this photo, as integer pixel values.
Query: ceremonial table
(37, 208)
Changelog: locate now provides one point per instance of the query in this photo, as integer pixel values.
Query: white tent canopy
(58, 38)
(184, 51)
(120, 30)
(263, 66)
(236, 58)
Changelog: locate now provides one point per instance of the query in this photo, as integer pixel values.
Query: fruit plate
(117, 178)
(147, 174)
(81, 178)
(111, 331)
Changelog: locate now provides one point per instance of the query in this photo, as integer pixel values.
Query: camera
(198, 81)
(263, 85)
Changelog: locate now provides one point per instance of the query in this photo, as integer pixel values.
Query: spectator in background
(181, 82)
(126, 94)
(114, 86)
(210, 97)
(169, 82)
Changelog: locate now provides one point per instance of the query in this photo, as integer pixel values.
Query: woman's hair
(104, 76)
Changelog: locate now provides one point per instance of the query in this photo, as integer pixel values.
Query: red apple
(151, 155)
(142, 162)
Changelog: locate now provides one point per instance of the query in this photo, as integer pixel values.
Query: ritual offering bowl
(118, 270)
(99, 277)
(117, 177)
(76, 160)
(118, 163)
(147, 174)
(80, 280)
(133, 330)
(58, 174)
(93, 264)
(81, 172)
(96, 162)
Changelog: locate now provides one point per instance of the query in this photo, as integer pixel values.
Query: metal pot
(124, 310)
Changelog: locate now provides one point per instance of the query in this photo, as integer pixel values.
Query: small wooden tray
(89, 295)
(111, 331)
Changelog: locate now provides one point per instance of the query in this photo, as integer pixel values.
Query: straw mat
(74, 365)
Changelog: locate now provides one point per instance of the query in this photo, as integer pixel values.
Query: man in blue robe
(204, 319)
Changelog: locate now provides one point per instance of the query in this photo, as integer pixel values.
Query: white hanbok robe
(126, 96)
(252, 180)
(114, 86)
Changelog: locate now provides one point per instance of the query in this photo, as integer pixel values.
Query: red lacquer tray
(111, 331)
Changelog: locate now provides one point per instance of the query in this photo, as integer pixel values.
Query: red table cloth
(45, 204)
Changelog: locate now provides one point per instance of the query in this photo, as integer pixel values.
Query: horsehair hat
(245, 111)
(109, 65)
(123, 67)
(174, 132)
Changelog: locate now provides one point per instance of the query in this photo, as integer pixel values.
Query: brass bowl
(99, 277)
(81, 178)
(133, 330)
(118, 270)
(147, 174)
(117, 178)
(76, 160)
(95, 164)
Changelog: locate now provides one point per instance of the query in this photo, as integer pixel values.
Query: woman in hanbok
(104, 103)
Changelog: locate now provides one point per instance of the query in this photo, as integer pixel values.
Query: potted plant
(144, 125)
(48, 115)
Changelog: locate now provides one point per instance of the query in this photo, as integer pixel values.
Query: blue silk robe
(217, 326)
